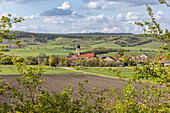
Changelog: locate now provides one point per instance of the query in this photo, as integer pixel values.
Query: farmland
(11, 70)
(57, 82)
(62, 44)
(125, 72)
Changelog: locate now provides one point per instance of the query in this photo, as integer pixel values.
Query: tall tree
(52, 60)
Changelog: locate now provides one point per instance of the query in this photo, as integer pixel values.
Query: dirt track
(58, 82)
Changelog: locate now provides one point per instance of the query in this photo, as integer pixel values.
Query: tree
(102, 63)
(66, 62)
(92, 62)
(5, 59)
(19, 59)
(52, 60)
(70, 54)
(42, 55)
(40, 61)
(62, 61)
(45, 61)
(82, 62)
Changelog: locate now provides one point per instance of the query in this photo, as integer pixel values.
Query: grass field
(58, 50)
(151, 45)
(35, 52)
(124, 72)
(58, 46)
(11, 70)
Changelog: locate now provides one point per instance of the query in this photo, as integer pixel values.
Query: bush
(19, 59)
(5, 59)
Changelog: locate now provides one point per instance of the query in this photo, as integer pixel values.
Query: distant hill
(61, 44)
(120, 39)
(21, 34)
(99, 33)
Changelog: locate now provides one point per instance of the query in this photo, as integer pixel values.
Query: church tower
(78, 50)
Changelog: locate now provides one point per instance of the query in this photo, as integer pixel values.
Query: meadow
(11, 70)
(35, 50)
(34, 44)
(104, 71)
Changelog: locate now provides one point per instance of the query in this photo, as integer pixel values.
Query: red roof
(114, 58)
(84, 55)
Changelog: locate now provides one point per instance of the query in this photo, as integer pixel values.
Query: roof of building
(84, 55)
(114, 58)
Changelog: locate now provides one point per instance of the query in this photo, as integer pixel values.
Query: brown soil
(58, 82)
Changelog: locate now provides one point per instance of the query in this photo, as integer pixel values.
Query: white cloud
(100, 4)
(93, 5)
(31, 17)
(100, 17)
(64, 10)
(132, 16)
(65, 6)
(137, 2)
(119, 17)
(159, 15)
(33, 27)
(111, 30)
(20, 1)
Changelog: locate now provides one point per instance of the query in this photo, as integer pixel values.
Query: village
(84, 59)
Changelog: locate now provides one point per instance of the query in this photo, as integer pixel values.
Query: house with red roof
(79, 55)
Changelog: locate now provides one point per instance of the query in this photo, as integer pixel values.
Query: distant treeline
(22, 34)
(99, 33)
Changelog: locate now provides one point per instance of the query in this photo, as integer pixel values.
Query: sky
(83, 16)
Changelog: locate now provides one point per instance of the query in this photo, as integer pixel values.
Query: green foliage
(45, 61)
(5, 59)
(31, 60)
(92, 62)
(52, 60)
(19, 59)
(42, 55)
(70, 54)
(66, 62)
(102, 63)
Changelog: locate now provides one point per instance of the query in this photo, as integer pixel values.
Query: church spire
(78, 50)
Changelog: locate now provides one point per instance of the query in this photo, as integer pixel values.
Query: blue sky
(82, 16)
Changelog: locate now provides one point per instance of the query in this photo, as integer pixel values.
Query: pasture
(11, 70)
(104, 71)
(62, 45)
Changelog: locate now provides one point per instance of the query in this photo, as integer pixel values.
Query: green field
(58, 50)
(151, 45)
(11, 70)
(35, 52)
(124, 72)
(61, 45)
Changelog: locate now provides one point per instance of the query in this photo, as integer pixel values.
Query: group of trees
(41, 59)
(153, 97)
(94, 62)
